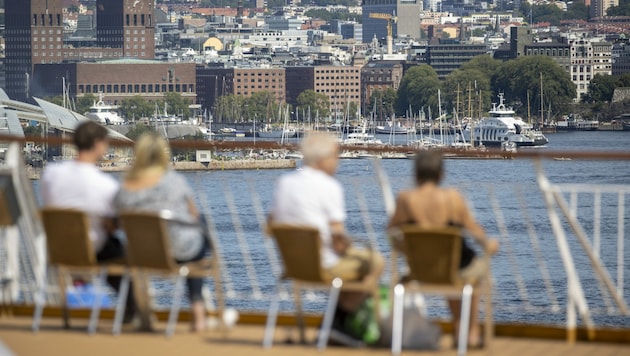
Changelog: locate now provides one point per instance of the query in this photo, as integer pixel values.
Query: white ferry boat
(104, 113)
(503, 127)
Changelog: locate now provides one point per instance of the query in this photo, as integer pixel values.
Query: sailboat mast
(542, 106)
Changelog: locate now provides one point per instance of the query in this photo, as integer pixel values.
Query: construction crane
(391, 19)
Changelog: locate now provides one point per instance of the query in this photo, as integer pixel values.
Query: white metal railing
(558, 207)
(537, 279)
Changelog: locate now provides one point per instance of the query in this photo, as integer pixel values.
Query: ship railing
(545, 273)
(567, 220)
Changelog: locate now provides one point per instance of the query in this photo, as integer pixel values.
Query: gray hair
(318, 146)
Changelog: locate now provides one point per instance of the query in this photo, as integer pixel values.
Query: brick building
(117, 79)
(34, 35)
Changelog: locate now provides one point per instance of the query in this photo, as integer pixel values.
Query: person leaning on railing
(80, 184)
(428, 205)
(151, 185)
(313, 197)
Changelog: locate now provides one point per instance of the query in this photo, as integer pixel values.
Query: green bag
(363, 324)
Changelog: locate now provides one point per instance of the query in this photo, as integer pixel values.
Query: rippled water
(511, 183)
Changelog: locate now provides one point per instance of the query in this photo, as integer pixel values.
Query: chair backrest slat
(148, 244)
(300, 250)
(433, 255)
(68, 237)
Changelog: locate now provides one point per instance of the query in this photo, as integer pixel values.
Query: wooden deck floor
(243, 340)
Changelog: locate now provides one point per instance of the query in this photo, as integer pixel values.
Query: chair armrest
(169, 216)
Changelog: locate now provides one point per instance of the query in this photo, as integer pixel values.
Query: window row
(259, 87)
(50, 39)
(135, 88)
(337, 78)
(256, 74)
(47, 20)
(259, 80)
(128, 18)
(50, 32)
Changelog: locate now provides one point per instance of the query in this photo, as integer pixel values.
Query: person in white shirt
(313, 197)
(79, 184)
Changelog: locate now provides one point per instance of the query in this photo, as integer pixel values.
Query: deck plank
(243, 340)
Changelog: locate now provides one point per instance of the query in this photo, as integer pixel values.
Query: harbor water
(503, 194)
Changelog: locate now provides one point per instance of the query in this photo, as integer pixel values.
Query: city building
(375, 27)
(379, 75)
(580, 56)
(408, 13)
(588, 58)
(448, 56)
(35, 35)
(128, 25)
(599, 8)
(213, 82)
(558, 51)
(341, 84)
(621, 59)
(117, 79)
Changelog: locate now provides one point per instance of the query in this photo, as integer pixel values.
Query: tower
(34, 34)
(127, 24)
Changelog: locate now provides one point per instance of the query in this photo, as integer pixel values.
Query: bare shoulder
(453, 194)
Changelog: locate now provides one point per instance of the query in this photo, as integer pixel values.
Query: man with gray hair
(312, 196)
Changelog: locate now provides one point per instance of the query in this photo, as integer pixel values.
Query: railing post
(574, 288)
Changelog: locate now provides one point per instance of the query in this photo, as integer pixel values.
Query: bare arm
(490, 246)
(340, 240)
(192, 209)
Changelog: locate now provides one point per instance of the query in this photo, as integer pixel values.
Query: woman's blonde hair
(151, 153)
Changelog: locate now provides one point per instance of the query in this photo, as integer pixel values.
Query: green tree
(601, 88)
(230, 108)
(418, 89)
(463, 87)
(85, 102)
(177, 105)
(261, 106)
(521, 78)
(623, 80)
(576, 10)
(623, 9)
(136, 107)
(553, 14)
(317, 102)
(334, 15)
(383, 103)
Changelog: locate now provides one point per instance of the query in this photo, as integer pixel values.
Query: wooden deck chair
(149, 251)
(300, 248)
(70, 251)
(433, 258)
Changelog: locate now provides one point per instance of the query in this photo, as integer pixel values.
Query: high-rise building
(34, 34)
(126, 24)
(600, 7)
(408, 13)
(374, 26)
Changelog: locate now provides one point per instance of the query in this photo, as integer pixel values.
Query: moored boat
(503, 126)
(104, 113)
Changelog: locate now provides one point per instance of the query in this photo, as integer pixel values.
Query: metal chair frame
(300, 248)
(149, 252)
(70, 251)
(433, 258)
